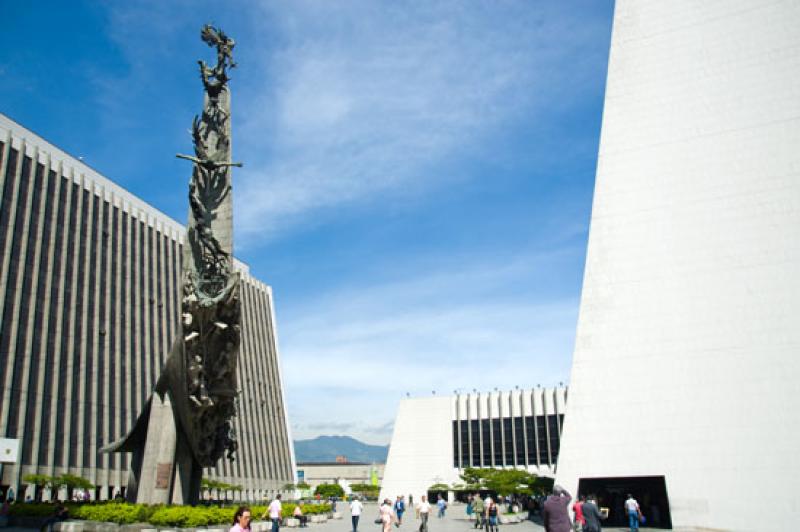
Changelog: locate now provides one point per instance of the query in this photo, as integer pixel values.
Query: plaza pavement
(455, 520)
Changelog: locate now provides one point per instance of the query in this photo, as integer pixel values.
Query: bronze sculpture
(186, 424)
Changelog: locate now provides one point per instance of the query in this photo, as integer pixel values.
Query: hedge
(120, 513)
(158, 515)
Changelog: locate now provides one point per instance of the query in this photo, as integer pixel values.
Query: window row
(508, 441)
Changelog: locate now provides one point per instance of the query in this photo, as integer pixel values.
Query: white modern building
(685, 381)
(435, 437)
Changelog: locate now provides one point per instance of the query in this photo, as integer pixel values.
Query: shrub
(158, 515)
(120, 513)
(182, 516)
(329, 490)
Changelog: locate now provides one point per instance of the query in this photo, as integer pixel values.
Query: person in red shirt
(577, 508)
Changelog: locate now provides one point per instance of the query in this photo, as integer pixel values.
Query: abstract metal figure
(186, 425)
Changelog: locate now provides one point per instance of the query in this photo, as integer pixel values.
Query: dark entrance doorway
(650, 492)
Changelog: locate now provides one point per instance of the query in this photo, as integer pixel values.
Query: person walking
(274, 512)
(399, 508)
(591, 515)
(491, 517)
(355, 512)
(478, 509)
(634, 512)
(241, 520)
(424, 510)
(556, 511)
(442, 505)
(577, 509)
(386, 515)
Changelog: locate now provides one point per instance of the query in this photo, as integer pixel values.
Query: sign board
(163, 476)
(301, 475)
(9, 451)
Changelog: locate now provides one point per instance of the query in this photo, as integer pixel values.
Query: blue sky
(418, 175)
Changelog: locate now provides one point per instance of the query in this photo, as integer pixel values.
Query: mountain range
(327, 448)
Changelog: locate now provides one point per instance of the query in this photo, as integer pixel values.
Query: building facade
(435, 438)
(343, 473)
(89, 305)
(684, 385)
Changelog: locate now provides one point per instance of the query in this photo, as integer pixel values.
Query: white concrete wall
(421, 452)
(688, 347)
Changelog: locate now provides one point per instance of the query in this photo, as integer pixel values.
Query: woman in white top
(387, 515)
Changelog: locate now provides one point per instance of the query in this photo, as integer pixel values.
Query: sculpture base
(163, 470)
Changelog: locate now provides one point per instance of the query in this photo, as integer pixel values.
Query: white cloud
(356, 353)
(364, 97)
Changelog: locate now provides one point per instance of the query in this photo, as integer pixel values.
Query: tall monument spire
(186, 425)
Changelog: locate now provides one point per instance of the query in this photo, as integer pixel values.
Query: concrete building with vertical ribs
(435, 438)
(89, 305)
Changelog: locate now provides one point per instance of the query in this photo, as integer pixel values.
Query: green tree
(73, 482)
(473, 476)
(511, 481)
(501, 481)
(302, 485)
(329, 490)
(39, 482)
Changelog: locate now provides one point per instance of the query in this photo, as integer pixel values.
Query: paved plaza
(454, 521)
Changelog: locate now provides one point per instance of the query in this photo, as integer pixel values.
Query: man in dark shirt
(591, 515)
(556, 511)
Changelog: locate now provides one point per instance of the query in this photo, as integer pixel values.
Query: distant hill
(327, 448)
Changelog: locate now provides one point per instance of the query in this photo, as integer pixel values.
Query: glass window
(113, 350)
(55, 287)
(497, 438)
(78, 335)
(126, 325)
(91, 333)
(476, 443)
(8, 189)
(509, 442)
(464, 444)
(552, 423)
(151, 304)
(531, 438)
(68, 321)
(486, 439)
(33, 280)
(544, 457)
(456, 457)
(17, 265)
(519, 440)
